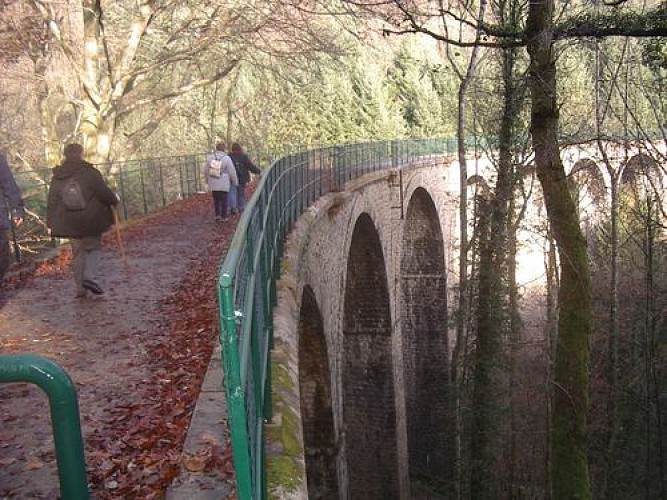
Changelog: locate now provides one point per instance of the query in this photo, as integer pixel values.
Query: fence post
(143, 187)
(164, 199)
(65, 419)
(180, 180)
(238, 418)
(122, 190)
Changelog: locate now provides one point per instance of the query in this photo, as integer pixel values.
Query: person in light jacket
(220, 176)
(11, 203)
(84, 227)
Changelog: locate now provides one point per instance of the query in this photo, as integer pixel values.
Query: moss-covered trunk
(569, 468)
(490, 390)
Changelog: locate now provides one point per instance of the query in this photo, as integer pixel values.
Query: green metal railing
(64, 416)
(247, 279)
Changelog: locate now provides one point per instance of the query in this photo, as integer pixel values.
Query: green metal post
(65, 419)
(238, 417)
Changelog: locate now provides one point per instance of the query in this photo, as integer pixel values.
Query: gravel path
(137, 357)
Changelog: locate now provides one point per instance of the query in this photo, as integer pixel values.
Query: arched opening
(316, 407)
(425, 343)
(369, 411)
(587, 186)
(588, 189)
(641, 181)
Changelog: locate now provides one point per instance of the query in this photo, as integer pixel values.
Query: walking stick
(119, 238)
(15, 243)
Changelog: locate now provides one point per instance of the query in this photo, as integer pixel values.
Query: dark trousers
(220, 203)
(240, 197)
(5, 253)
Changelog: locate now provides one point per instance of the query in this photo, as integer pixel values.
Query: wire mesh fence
(143, 186)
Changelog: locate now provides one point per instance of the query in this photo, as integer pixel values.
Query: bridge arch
(588, 183)
(425, 349)
(642, 178)
(317, 420)
(369, 411)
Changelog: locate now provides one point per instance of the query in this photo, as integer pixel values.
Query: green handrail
(247, 278)
(65, 421)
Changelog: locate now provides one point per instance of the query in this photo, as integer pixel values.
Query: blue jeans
(231, 199)
(240, 197)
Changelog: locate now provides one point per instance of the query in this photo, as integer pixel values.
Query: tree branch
(617, 23)
(127, 105)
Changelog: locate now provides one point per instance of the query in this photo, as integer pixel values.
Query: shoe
(218, 218)
(233, 211)
(93, 287)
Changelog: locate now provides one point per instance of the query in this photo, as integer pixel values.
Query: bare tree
(129, 56)
(544, 25)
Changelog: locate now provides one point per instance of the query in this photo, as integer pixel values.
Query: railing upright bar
(121, 185)
(65, 418)
(235, 394)
(143, 188)
(161, 174)
(293, 192)
(180, 180)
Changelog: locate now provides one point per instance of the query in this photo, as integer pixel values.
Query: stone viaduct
(361, 357)
(361, 327)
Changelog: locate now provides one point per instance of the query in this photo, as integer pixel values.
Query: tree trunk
(463, 306)
(47, 120)
(569, 467)
(486, 394)
(493, 313)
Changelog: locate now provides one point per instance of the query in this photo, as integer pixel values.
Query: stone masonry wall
(316, 256)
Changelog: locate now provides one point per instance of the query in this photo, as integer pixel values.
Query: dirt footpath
(137, 357)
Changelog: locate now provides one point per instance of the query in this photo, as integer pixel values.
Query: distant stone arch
(642, 178)
(587, 182)
(316, 404)
(591, 195)
(369, 412)
(425, 341)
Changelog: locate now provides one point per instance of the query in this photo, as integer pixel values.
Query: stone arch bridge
(362, 333)
(361, 324)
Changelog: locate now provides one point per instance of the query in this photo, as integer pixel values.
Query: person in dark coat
(83, 226)
(243, 166)
(10, 201)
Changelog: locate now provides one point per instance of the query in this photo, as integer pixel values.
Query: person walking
(243, 166)
(79, 207)
(220, 176)
(11, 210)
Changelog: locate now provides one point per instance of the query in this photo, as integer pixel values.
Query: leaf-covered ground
(137, 357)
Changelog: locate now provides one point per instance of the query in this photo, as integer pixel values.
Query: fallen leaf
(33, 465)
(208, 438)
(194, 463)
